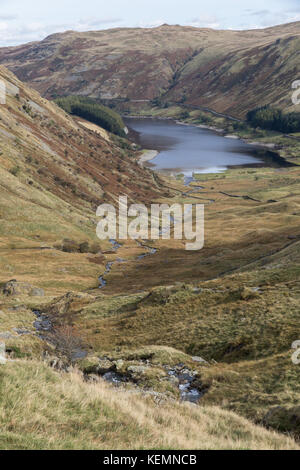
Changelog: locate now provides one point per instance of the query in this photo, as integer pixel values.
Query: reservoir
(189, 149)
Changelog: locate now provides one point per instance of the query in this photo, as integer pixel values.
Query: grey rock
(2, 354)
(137, 369)
(105, 365)
(21, 332)
(199, 359)
(6, 335)
(15, 288)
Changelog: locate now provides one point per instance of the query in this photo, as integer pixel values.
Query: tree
(92, 111)
(68, 343)
(274, 119)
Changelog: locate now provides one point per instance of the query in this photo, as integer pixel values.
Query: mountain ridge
(226, 70)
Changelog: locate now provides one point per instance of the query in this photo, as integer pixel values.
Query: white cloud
(33, 24)
(35, 31)
(265, 18)
(8, 17)
(204, 21)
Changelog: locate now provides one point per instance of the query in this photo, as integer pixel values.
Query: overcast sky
(29, 20)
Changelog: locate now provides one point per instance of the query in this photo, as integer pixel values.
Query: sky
(23, 21)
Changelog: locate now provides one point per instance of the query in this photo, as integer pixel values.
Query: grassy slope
(41, 409)
(248, 333)
(53, 175)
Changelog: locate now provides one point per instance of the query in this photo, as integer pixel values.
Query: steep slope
(241, 80)
(53, 175)
(229, 71)
(43, 409)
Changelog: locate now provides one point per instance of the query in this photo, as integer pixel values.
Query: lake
(189, 149)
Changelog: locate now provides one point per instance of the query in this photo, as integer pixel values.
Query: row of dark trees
(274, 119)
(92, 111)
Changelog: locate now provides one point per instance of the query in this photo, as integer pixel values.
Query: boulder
(2, 354)
(161, 295)
(247, 294)
(136, 369)
(199, 359)
(96, 366)
(15, 288)
(105, 365)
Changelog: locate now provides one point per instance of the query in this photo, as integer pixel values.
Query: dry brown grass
(47, 410)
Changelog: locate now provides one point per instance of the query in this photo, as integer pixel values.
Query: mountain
(217, 324)
(54, 172)
(228, 71)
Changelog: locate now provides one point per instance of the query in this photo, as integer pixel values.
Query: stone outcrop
(71, 302)
(16, 288)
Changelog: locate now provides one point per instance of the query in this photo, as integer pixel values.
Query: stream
(150, 251)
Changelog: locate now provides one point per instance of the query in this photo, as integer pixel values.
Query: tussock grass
(43, 409)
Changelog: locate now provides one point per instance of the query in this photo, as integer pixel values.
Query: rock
(79, 353)
(231, 136)
(284, 419)
(174, 380)
(2, 354)
(136, 369)
(96, 366)
(199, 359)
(21, 331)
(37, 292)
(246, 293)
(89, 365)
(69, 303)
(161, 295)
(105, 365)
(6, 335)
(119, 364)
(14, 288)
(56, 363)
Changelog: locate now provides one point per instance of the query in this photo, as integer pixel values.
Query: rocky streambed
(120, 372)
(115, 245)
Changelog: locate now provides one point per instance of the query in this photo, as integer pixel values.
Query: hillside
(92, 416)
(228, 71)
(54, 173)
(214, 326)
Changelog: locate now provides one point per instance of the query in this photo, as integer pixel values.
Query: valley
(169, 339)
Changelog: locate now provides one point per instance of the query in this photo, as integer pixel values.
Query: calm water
(188, 149)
